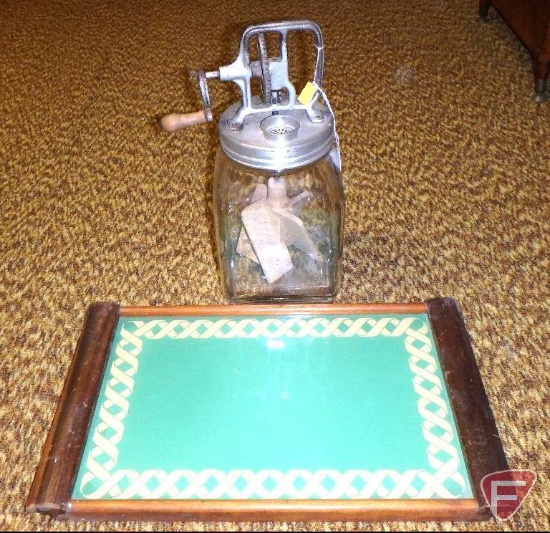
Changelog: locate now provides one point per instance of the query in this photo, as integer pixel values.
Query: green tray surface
(273, 407)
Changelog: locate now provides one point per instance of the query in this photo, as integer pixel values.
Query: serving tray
(274, 412)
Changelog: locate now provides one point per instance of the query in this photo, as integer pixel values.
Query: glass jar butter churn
(278, 195)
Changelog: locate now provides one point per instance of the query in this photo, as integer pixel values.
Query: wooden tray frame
(56, 474)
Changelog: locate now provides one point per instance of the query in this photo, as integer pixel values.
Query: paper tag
(297, 234)
(307, 94)
(270, 227)
(270, 250)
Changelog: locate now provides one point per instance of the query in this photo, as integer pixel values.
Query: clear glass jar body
(279, 234)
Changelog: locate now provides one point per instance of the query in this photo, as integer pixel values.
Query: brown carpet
(446, 169)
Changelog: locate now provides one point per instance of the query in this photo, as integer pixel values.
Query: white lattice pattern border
(101, 478)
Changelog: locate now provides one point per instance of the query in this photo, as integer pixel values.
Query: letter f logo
(506, 491)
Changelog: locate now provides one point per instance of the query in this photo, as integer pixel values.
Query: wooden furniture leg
(542, 71)
(530, 21)
(484, 6)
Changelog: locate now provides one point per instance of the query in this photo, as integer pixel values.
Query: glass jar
(278, 195)
(279, 232)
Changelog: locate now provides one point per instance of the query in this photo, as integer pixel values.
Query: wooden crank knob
(177, 121)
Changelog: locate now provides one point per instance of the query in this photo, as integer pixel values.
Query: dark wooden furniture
(530, 21)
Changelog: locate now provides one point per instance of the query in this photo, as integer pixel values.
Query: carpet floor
(445, 162)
